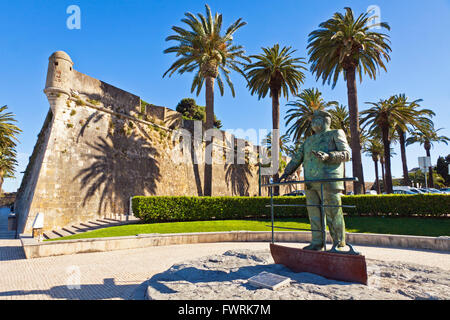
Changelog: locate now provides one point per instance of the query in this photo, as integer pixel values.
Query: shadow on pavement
(107, 290)
(11, 252)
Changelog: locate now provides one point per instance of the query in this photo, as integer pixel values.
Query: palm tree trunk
(209, 95)
(355, 143)
(383, 174)
(406, 180)
(1, 183)
(276, 135)
(430, 169)
(387, 158)
(377, 180)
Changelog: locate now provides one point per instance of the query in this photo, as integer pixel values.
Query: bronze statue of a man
(323, 156)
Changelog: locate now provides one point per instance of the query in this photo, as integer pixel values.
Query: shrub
(93, 101)
(435, 205)
(165, 208)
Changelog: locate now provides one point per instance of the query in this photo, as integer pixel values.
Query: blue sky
(122, 43)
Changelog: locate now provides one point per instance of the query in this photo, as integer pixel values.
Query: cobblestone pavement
(117, 274)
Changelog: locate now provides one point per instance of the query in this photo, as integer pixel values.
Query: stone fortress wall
(100, 145)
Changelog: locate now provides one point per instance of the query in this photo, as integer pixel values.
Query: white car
(408, 189)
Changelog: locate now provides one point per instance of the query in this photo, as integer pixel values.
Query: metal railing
(322, 206)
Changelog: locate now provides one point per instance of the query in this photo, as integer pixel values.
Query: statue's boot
(338, 237)
(314, 247)
(339, 246)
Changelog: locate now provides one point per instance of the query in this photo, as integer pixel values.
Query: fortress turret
(59, 78)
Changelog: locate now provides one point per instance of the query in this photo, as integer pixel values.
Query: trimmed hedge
(182, 208)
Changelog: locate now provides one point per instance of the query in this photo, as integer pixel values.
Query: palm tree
(283, 144)
(275, 72)
(374, 149)
(426, 136)
(8, 139)
(385, 115)
(8, 164)
(340, 120)
(211, 55)
(308, 101)
(421, 120)
(346, 45)
(292, 149)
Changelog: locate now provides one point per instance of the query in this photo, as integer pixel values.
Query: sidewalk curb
(34, 249)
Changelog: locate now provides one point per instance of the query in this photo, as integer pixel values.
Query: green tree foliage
(301, 113)
(191, 111)
(442, 169)
(426, 136)
(8, 140)
(384, 116)
(276, 72)
(418, 179)
(203, 48)
(340, 119)
(374, 149)
(346, 45)
(284, 144)
(422, 118)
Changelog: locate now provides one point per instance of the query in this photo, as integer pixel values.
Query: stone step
(105, 222)
(79, 228)
(98, 223)
(62, 233)
(70, 230)
(51, 235)
(111, 219)
(88, 225)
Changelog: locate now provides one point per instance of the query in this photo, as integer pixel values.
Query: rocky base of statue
(226, 277)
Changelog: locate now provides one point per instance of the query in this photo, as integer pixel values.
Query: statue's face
(319, 124)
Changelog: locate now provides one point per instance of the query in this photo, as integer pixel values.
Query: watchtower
(59, 79)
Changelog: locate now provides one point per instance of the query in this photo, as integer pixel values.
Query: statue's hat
(321, 113)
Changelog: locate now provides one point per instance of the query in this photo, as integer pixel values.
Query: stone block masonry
(100, 145)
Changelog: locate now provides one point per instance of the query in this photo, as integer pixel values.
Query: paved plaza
(120, 274)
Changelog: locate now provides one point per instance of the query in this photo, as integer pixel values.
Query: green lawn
(385, 225)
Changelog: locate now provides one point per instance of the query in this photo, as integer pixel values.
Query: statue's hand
(322, 156)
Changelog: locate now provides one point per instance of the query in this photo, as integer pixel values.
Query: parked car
(373, 192)
(416, 190)
(409, 189)
(430, 190)
(296, 193)
(445, 190)
(406, 188)
(403, 192)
